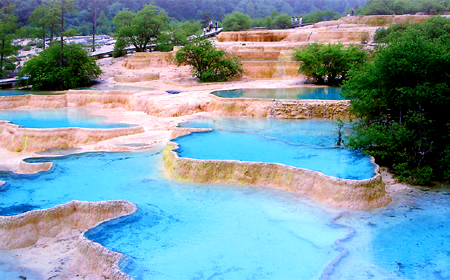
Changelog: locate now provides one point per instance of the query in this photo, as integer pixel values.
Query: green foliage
(329, 64)
(179, 34)
(182, 10)
(45, 72)
(399, 7)
(46, 19)
(433, 28)
(282, 21)
(209, 63)
(142, 28)
(319, 15)
(8, 28)
(119, 48)
(401, 97)
(236, 21)
(104, 24)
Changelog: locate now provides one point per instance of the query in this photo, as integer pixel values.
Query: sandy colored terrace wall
(256, 48)
(32, 101)
(100, 99)
(279, 108)
(352, 194)
(254, 36)
(149, 59)
(270, 69)
(257, 55)
(66, 220)
(17, 139)
(176, 106)
(73, 98)
(334, 35)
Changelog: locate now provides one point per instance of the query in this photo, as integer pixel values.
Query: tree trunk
(43, 37)
(62, 40)
(1, 58)
(94, 26)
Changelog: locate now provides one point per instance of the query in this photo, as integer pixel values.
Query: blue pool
(55, 118)
(309, 144)
(202, 231)
(329, 93)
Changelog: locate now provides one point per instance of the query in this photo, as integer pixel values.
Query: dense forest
(184, 9)
(204, 10)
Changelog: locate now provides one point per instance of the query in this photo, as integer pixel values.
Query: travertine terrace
(351, 194)
(267, 60)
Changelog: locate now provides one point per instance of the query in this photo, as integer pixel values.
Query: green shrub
(48, 72)
(210, 64)
(236, 21)
(401, 96)
(329, 64)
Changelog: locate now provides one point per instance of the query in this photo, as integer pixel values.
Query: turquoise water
(409, 239)
(309, 144)
(329, 93)
(203, 231)
(56, 118)
(10, 92)
(183, 230)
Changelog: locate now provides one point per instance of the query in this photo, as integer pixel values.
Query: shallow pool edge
(341, 193)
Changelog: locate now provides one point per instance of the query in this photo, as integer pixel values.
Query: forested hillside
(188, 9)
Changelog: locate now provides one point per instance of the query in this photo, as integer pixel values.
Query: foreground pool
(327, 93)
(191, 231)
(186, 231)
(56, 118)
(204, 231)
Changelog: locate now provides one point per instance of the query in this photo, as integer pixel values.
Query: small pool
(309, 144)
(57, 118)
(327, 93)
(12, 92)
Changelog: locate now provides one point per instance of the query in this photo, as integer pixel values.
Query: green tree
(179, 34)
(319, 15)
(329, 64)
(44, 71)
(142, 28)
(379, 7)
(53, 19)
(46, 18)
(104, 24)
(401, 97)
(8, 27)
(63, 6)
(209, 63)
(236, 21)
(388, 7)
(282, 21)
(205, 17)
